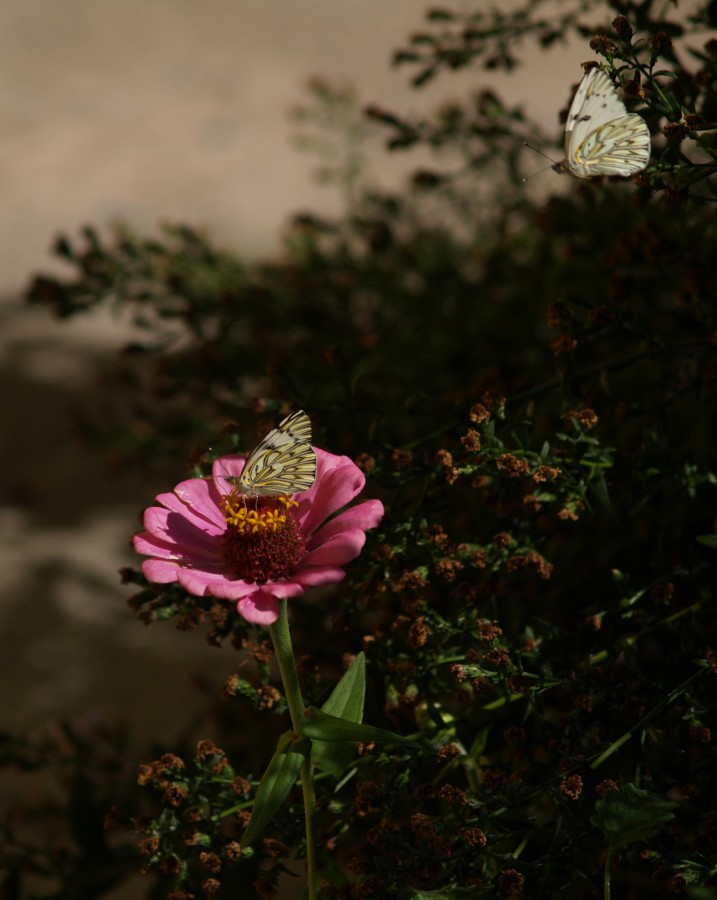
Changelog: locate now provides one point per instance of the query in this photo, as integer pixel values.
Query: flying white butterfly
(601, 137)
(283, 463)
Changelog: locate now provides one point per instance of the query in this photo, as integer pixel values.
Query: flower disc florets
(263, 540)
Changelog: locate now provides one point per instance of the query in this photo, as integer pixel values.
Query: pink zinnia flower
(213, 540)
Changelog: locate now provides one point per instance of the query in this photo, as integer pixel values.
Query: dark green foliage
(531, 388)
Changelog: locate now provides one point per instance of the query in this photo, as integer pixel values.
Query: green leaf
(319, 726)
(630, 814)
(708, 540)
(599, 488)
(347, 698)
(279, 778)
(346, 702)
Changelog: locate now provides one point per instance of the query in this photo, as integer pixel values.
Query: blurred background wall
(168, 110)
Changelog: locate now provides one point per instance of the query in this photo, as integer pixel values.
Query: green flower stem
(290, 677)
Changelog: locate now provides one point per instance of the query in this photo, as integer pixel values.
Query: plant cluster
(530, 387)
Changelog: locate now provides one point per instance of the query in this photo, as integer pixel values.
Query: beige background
(154, 110)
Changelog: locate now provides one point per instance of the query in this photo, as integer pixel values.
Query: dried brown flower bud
(478, 414)
(146, 774)
(268, 697)
(232, 851)
(587, 418)
(603, 45)
(402, 458)
(207, 750)
(675, 132)
(241, 786)
(563, 343)
(557, 313)
(275, 849)
(572, 787)
(471, 440)
(418, 633)
(458, 673)
(512, 465)
(622, 28)
(210, 861)
(366, 463)
(695, 122)
(488, 631)
(632, 89)
(175, 794)
(511, 883)
(661, 43)
(452, 474)
(148, 846)
(568, 515)
(449, 568)
(545, 473)
(605, 786)
(700, 734)
(518, 684)
(473, 837)
(447, 752)
(497, 657)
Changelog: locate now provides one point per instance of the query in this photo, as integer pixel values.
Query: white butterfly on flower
(284, 463)
(601, 137)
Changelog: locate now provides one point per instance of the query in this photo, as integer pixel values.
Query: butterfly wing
(601, 138)
(621, 147)
(595, 104)
(284, 462)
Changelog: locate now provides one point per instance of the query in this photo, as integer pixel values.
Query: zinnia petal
(364, 516)
(161, 571)
(338, 481)
(261, 608)
(319, 576)
(339, 549)
(175, 528)
(200, 582)
(202, 497)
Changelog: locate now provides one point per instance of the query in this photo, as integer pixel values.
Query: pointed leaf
(346, 702)
(630, 814)
(347, 697)
(319, 726)
(279, 778)
(599, 488)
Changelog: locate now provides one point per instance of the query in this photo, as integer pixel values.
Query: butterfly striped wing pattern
(601, 137)
(283, 463)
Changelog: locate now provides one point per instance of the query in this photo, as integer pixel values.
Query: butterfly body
(601, 137)
(284, 463)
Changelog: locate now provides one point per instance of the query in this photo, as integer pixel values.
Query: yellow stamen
(251, 521)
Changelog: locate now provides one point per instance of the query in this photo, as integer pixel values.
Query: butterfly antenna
(544, 155)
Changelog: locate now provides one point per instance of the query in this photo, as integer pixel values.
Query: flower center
(263, 541)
